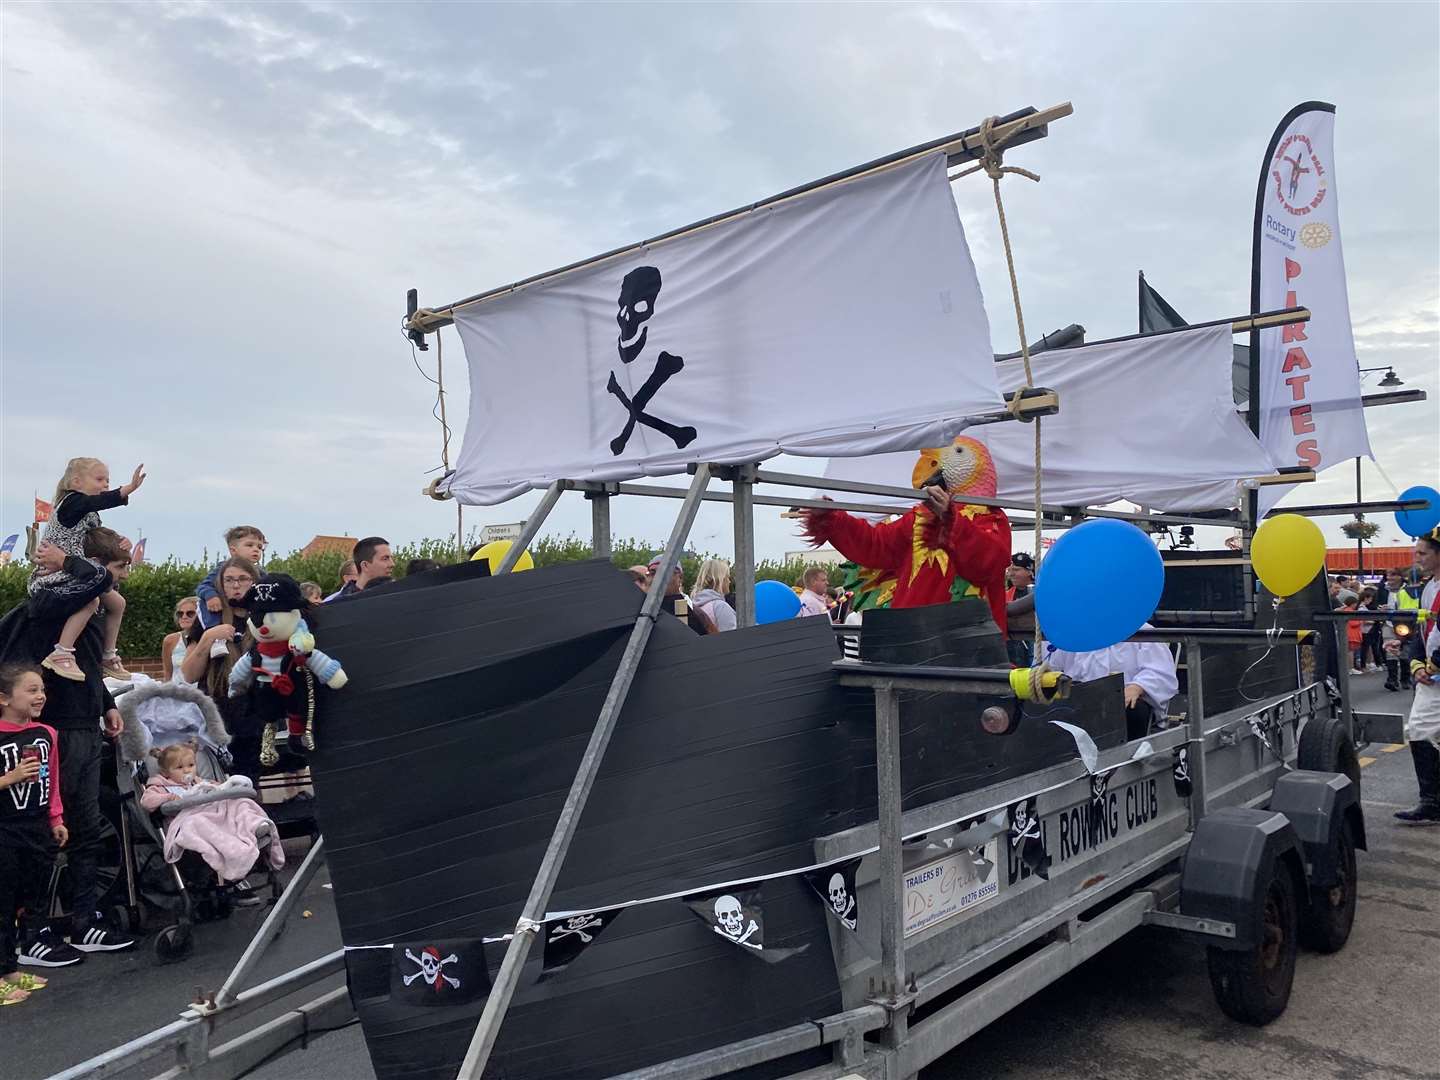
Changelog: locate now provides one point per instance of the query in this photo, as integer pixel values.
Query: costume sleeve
(242, 675)
(875, 547)
(1155, 672)
(980, 545)
(322, 665)
(75, 506)
(57, 804)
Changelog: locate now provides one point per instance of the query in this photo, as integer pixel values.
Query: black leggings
(27, 854)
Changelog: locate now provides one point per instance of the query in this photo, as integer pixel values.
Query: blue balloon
(1419, 522)
(1099, 584)
(774, 600)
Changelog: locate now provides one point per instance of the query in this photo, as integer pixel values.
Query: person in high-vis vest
(1404, 598)
(1422, 726)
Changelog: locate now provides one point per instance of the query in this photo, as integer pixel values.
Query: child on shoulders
(244, 541)
(83, 491)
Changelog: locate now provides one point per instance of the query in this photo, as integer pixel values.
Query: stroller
(159, 715)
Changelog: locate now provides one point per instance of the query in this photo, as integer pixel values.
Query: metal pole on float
(743, 576)
(531, 528)
(530, 923)
(600, 525)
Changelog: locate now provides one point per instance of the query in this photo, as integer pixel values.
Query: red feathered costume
(933, 561)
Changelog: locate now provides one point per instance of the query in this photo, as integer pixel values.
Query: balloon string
(1272, 635)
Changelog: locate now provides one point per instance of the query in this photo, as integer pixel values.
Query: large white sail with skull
(703, 347)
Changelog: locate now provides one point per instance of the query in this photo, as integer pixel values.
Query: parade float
(569, 837)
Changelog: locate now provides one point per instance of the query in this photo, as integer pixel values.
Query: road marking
(1392, 747)
(1366, 761)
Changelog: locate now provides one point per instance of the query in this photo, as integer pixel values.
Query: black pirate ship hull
(443, 764)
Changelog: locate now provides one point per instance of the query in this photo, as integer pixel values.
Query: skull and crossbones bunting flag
(438, 971)
(835, 886)
(1025, 835)
(1099, 789)
(567, 938)
(1181, 772)
(735, 914)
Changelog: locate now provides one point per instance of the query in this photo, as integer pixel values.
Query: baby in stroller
(219, 821)
(175, 742)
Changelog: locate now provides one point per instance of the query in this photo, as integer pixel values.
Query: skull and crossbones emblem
(432, 968)
(578, 926)
(1026, 826)
(731, 919)
(841, 902)
(1182, 766)
(639, 290)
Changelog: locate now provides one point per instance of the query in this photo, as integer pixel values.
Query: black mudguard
(1228, 868)
(1319, 805)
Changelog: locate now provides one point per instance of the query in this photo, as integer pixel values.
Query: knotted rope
(992, 162)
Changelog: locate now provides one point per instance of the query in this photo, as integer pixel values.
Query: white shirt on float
(1147, 664)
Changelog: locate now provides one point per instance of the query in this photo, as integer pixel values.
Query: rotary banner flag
(1308, 380)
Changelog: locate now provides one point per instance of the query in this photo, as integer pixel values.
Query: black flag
(835, 885)
(438, 971)
(565, 939)
(1025, 835)
(1099, 788)
(1181, 772)
(1156, 314)
(735, 914)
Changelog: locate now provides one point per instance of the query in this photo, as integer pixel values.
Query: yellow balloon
(494, 552)
(1287, 552)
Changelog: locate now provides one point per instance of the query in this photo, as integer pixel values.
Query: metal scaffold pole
(530, 924)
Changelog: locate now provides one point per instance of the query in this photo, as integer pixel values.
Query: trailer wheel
(1325, 924)
(1325, 746)
(1253, 985)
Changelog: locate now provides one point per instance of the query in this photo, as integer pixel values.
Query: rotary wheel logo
(1300, 179)
(1316, 234)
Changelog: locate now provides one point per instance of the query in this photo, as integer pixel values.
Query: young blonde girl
(84, 490)
(32, 823)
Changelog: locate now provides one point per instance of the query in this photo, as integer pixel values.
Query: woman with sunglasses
(173, 648)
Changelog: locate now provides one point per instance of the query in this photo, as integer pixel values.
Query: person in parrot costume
(942, 549)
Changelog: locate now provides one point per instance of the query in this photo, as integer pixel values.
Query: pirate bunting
(447, 971)
(835, 886)
(1027, 839)
(565, 939)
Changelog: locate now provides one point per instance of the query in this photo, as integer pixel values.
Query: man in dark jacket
(77, 710)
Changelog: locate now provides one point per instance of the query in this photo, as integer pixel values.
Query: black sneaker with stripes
(47, 950)
(97, 937)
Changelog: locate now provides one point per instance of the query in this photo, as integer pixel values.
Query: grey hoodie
(714, 605)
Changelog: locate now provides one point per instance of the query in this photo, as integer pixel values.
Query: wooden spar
(1016, 129)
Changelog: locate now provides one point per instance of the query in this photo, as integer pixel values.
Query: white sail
(709, 346)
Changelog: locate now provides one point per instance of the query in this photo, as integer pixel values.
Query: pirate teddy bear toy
(280, 669)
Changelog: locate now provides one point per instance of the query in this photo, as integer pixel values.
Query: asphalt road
(1141, 1010)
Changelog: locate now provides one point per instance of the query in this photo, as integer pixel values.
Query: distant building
(821, 556)
(322, 545)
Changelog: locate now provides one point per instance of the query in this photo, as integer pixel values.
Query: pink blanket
(223, 834)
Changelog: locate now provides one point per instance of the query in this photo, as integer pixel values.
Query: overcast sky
(212, 211)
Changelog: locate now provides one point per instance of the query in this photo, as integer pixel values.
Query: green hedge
(153, 588)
